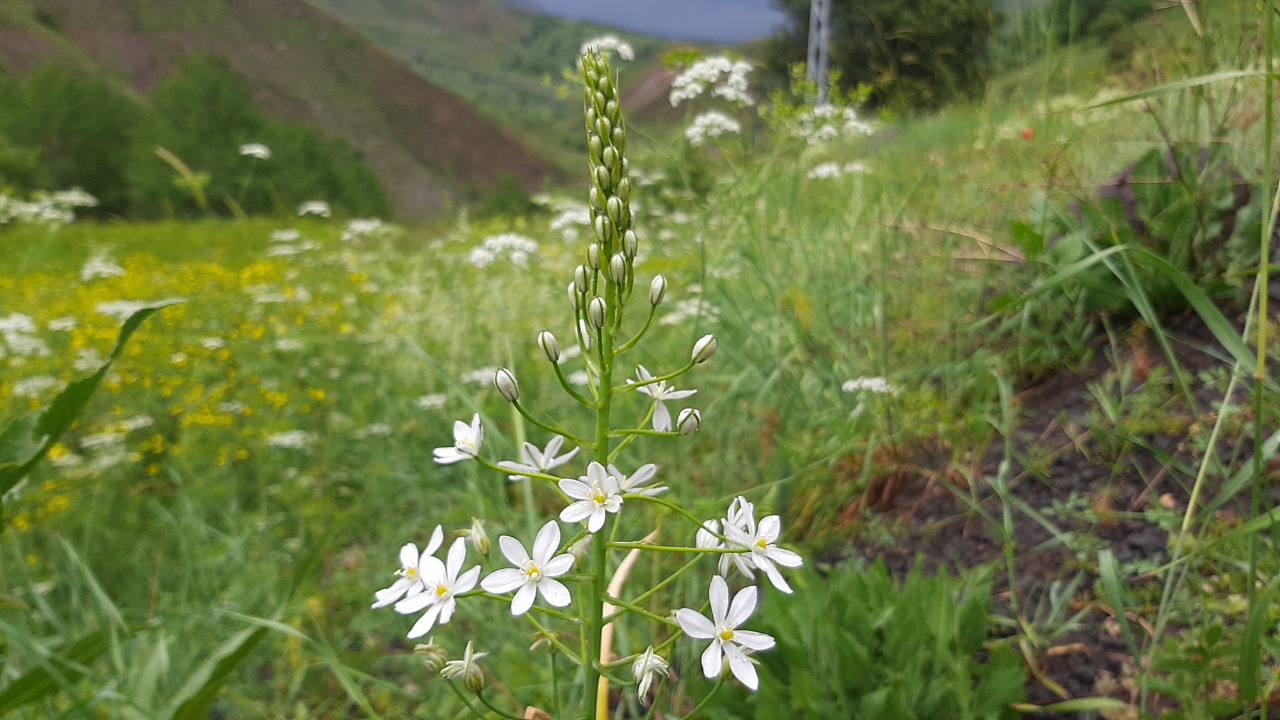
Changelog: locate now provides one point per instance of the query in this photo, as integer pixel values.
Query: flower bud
(602, 178)
(624, 189)
(582, 279)
(593, 196)
(507, 386)
(593, 255)
(433, 656)
(549, 346)
(600, 100)
(609, 157)
(575, 297)
(584, 335)
(704, 349)
(657, 290)
(595, 312)
(611, 109)
(595, 146)
(604, 226)
(604, 127)
(620, 140)
(689, 421)
(618, 268)
(630, 244)
(478, 538)
(591, 119)
(473, 679)
(613, 208)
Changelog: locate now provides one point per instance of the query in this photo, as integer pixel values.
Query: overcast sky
(726, 21)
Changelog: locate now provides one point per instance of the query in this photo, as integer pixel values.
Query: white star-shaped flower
(466, 442)
(595, 494)
(727, 640)
(532, 574)
(409, 581)
(634, 483)
(762, 542)
(538, 461)
(442, 584)
(659, 391)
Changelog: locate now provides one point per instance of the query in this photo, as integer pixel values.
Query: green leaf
(1109, 576)
(1251, 643)
(193, 700)
(66, 407)
(1186, 84)
(59, 671)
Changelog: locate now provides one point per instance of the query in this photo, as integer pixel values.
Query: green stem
(675, 548)
(550, 428)
(653, 310)
(453, 686)
(641, 611)
(483, 699)
(633, 384)
(694, 712)
(564, 382)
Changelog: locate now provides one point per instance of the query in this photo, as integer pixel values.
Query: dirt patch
(1075, 492)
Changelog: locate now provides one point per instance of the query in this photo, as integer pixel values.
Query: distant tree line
(921, 54)
(62, 128)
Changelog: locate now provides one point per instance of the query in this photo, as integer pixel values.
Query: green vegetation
(944, 339)
(65, 128)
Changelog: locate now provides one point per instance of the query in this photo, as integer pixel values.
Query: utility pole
(819, 59)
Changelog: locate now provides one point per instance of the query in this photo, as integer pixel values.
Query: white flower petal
(503, 581)
(513, 550)
(744, 603)
(425, 623)
(577, 511)
(523, 600)
(741, 666)
(546, 543)
(661, 417)
(695, 624)
(558, 565)
(554, 591)
(752, 639)
(711, 663)
(719, 594)
(415, 603)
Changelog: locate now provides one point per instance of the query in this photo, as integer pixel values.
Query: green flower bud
(507, 386)
(596, 147)
(575, 297)
(593, 255)
(624, 189)
(433, 656)
(603, 179)
(704, 349)
(613, 208)
(478, 537)
(604, 127)
(582, 279)
(630, 244)
(593, 196)
(596, 312)
(618, 268)
(611, 110)
(549, 346)
(609, 157)
(657, 290)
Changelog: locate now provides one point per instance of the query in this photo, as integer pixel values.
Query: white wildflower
(292, 439)
(595, 494)
(727, 641)
(534, 573)
(709, 125)
(660, 392)
(539, 462)
(876, 385)
(466, 442)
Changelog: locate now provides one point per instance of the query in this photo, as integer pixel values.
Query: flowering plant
(568, 584)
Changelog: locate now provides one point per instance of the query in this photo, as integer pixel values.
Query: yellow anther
(726, 634)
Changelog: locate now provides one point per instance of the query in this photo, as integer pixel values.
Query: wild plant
(569, 586)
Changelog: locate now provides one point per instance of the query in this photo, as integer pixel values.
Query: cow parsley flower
(534, 573)
(596, 493)
(710, 125)
(441, 584)
(409, 582)
(727, 641)
(466, 442)
(537, 461)
(659, 391)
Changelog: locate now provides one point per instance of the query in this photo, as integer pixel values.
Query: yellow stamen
(726, 634)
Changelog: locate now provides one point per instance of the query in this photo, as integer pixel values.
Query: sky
(723, 21)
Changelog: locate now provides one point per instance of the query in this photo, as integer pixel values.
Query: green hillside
(428, 147)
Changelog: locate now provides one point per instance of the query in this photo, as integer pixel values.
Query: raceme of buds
(689, 421)
(507, 386)
(549, 346)
(704, 349)
(595, 312)
(657, 290)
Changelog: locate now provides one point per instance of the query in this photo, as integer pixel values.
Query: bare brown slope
(428, 147)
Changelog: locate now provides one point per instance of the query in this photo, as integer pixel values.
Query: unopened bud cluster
(613, 253)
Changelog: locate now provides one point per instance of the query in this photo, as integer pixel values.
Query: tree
(914, 54)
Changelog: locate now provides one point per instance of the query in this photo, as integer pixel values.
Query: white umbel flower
(727, 641)
(534, 573)
(466, 442)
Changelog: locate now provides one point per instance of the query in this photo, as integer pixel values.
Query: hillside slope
(429, 147)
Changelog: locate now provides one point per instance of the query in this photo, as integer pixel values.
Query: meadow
(933, 342)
